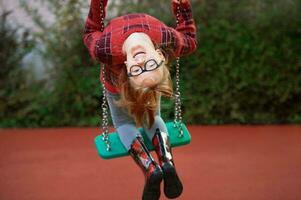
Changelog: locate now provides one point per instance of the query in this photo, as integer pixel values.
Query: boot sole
(152, 187)
(172, 185)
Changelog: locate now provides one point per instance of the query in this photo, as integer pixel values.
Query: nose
(140, 59)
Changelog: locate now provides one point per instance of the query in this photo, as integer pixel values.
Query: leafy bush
(13, 47)
(246, 68)
(74, 94)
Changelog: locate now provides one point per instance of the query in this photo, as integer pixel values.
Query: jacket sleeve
(92, 31)
(185, 30)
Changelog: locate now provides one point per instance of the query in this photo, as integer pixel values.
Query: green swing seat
(118, 150)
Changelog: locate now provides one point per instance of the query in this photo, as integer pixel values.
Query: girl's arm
(92, 31)
(186, 29)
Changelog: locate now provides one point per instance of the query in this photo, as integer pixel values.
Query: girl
(136, 49)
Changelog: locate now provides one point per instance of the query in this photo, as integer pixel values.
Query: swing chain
(178, 110)
(101, 16)
(104, 105)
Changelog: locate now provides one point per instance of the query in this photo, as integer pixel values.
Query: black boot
(152, 171)
(172, 184)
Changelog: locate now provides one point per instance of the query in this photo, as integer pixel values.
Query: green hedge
(246, 69)
(248, 64)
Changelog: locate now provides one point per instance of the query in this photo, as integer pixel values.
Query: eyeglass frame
(143, 69)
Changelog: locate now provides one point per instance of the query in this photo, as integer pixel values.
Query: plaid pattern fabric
(106, 46)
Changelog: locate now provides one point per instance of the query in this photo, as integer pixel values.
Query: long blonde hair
(142, 103)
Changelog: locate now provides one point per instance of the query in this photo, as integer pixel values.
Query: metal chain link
(101, 16)
(104, 105)
(178, 103)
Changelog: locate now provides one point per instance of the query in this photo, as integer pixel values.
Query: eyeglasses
(149, 65)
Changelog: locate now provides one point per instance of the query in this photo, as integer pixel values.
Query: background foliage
(14, 95)
(246, 69)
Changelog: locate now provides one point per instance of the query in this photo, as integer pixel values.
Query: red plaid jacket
(106, 46)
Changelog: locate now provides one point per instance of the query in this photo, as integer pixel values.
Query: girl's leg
(151, 170)
(158, 124)
(122, 121)
(133, 142)
(127, 134)
(158, 134)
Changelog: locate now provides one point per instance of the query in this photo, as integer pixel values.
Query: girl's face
(140, 52)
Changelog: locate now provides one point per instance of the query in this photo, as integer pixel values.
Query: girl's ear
(160, 54)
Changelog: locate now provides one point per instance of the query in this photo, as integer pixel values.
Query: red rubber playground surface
(221, 163)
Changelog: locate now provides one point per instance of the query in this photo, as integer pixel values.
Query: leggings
(124, 123)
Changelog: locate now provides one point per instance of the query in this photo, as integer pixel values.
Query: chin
(149, 85)
(145, 83)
